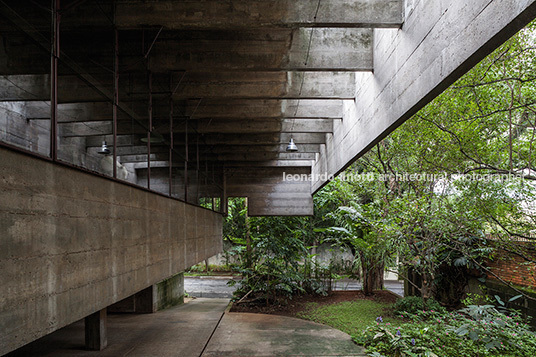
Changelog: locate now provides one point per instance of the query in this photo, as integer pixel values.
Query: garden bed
(301, 303)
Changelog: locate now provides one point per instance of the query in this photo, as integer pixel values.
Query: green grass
(351, 317)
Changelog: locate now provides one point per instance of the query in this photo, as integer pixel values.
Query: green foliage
(439, 225)
(275, 262)
(476, 299)
(475, 331)
(351, 317)
(414, 304)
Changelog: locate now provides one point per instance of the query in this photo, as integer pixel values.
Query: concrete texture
(438, 42)
(243, 334)
(199, 328)
(179, 331)
(74, 243)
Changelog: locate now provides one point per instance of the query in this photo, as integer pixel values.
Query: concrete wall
(438, 42)
(73, 243)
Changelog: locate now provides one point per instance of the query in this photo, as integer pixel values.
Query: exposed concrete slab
(241, 334)
(179, 331)
(187, 331)
(71, 89)
(247, 14)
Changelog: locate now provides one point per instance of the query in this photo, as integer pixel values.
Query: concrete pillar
(96, 334)
(145, 301)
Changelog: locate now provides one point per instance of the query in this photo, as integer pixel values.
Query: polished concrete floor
(200, 327)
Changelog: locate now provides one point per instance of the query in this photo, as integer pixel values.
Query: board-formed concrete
(438, 42)
(74, 243)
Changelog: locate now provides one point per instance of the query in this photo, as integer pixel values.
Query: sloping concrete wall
(438, 42)
(72, 243)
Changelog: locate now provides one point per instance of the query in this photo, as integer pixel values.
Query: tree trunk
(427, 286)
(372, 275)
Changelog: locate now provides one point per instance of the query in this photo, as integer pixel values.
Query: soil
(298, 303)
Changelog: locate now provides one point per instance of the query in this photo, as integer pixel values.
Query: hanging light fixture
(291, 147)
(104, 149)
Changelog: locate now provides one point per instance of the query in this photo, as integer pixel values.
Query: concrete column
(145, 301)
(96, 334)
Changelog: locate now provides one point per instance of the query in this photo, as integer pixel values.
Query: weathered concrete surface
(241, 334)
(179, 331)
(276, 85)
(268, 191)
(247, 14)
(74, 243)
(186, 331)
(439, 41)
(165, 294)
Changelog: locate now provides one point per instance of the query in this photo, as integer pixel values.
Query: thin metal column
(56, 19)
(116, 95)
(171, 143)
(186, 161)
(197, 167)
(150, 83)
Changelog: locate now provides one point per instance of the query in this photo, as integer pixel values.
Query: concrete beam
(268, 194)
(221, 139)
(438, 43)
(307, 126)
(237, 85)
(244, 14)
(269, 108)
(316, 49)
(205, 126)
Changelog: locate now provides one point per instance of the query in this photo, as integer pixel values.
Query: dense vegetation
(439, 197)
(441, 193)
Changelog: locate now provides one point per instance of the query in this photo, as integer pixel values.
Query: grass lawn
(351, 317)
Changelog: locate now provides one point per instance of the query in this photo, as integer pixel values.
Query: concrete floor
(216, 286)
(199, 328)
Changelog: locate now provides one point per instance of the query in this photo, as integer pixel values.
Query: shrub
(473, 331)
(414, 304)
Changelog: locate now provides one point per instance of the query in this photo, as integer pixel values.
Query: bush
(473, 331)
(414, 304)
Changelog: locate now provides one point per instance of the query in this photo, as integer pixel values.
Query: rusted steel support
(55, 54)
(150, 110)
(171, 143)
(116, 96)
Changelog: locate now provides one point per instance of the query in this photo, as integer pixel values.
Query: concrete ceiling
(238, 77)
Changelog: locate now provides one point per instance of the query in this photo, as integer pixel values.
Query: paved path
(216, 286)
(180, 331)
(241, 334)
(200, 328)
